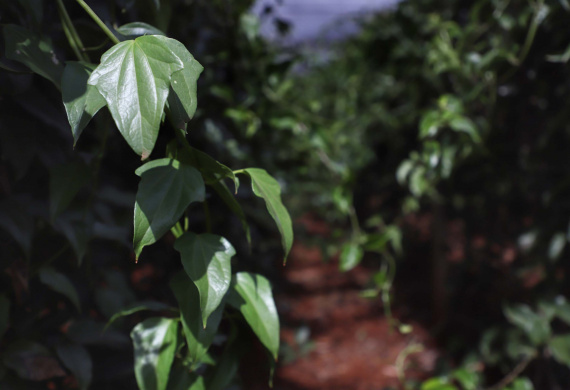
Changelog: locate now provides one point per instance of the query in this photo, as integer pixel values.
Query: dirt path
(333, 338)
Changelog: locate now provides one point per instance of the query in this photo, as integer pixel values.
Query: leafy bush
(56, 199)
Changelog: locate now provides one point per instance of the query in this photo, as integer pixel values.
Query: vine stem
(99, 22)
(511, 376)
(71, 33)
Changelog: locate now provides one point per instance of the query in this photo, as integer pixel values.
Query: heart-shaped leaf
(207, 261)
(266, 187)
(134, 78)
(166, 189)
(198, 338)
(155, 341)
(251, 295)
(81, 100)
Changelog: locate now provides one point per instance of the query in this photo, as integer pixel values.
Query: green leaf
(155, 343)
(60, 283)
(350, 256)
(166, 189)
(251, 295)
(184, 84)
(33, 51)
(437, 384)
(211, 169)
(4, 314)
(134, 78)
(135, 308)
(560, 348)
(138, 29)
(76, 358)
(536, 327)
(81, 100)
(207, 261)
(266, 187)
(198, 338)
(31, 361)
(556, 246)
(15, 219)
(465, 125)
(65, 181)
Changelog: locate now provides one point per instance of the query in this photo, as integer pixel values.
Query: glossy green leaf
(560, 348)
(15, 219)
(4, 314)
(33, 51)
(184, 84)
(266, 187)
(536, 327)
(166, 189)
(134, 78)
(31, 361)
(350, 256)
(251, 295)
(198, 338)
(135, 308)
(207, 261)
(155, 343)
(81, 100)
(77, 360)
(65, 181)
(59, 283)
(138, 29)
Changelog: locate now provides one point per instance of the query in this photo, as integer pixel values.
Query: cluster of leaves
(146, 81)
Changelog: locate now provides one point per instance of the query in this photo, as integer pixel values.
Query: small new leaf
(266, 187)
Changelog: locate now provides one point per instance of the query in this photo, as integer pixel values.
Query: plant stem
(99, 22)
(71, 33)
